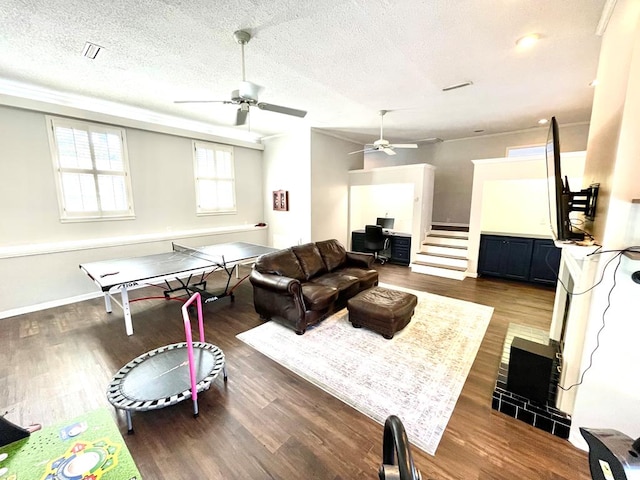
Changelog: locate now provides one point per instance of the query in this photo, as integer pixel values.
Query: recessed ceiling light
(543, 121)
(593, 82)
(91, 50)
(480, 130)
(528, 40)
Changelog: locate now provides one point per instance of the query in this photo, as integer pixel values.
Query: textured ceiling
(341, 60)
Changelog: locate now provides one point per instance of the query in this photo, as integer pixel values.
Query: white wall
(39, 255)
(330, 165)
(417, 178)
(509, 196)
(392, 200)
(287, 166)
(454, 173)
(610, 394)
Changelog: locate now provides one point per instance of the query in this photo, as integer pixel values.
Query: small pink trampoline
(170, 374)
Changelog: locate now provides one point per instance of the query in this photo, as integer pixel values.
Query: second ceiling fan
(247, 94)
(382, 145)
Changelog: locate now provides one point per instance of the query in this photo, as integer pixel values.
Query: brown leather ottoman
(382, 310)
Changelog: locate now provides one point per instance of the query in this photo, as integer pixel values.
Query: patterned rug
(418, 375)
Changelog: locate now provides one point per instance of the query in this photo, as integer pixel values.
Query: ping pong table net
(216, 259)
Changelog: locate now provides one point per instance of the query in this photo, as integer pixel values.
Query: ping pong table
(189, 266)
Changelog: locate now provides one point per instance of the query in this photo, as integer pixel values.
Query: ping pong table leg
(127, 312)
(107, 302)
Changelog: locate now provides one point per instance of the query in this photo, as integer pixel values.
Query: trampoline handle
(189, 339)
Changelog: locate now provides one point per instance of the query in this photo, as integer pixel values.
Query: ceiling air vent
(91, 50)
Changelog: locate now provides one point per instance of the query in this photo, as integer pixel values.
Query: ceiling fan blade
(241, 115)
(388, 151)
(404, 145)
(202, 101)
(279, 109)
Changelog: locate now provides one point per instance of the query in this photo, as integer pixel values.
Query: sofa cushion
(338, 281)
(310, 259)
(368, 277)
(282, 262)
(318, 297)
(333, 253)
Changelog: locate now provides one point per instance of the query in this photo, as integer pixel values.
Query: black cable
(619, 253)
(619, 256)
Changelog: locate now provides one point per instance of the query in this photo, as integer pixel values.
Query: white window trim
(200, 211)
(100, 215)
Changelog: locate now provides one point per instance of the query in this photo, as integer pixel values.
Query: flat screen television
(386, 223)
(562, 201)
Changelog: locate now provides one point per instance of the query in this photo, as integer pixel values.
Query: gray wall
(39, 255)
(454, 170)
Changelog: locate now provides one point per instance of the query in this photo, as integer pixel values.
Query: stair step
(459, 236)
(443, 255)
(437, 265)
(450, 228)
(418, 267)
(431, 244)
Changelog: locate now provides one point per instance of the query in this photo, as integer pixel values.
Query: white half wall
(454, 170)
(510, 197)
(413, 212)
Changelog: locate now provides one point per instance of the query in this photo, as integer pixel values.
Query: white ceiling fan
(247, 95)
(382, 145)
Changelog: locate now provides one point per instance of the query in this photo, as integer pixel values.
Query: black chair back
(374, 239)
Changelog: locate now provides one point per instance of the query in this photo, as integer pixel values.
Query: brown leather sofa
(306, 283)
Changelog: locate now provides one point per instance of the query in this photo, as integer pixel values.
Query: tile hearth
(546, 417)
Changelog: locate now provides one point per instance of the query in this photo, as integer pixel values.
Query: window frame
(100, 214)
(214, 147)
(534, 149)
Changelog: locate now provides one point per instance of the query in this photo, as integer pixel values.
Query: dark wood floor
(268, 423)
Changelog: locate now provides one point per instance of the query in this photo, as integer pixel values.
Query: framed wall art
(281, 200)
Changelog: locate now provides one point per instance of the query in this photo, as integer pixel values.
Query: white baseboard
(43, 306)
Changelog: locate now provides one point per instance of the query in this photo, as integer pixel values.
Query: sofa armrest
(275, 283)
(360, 259)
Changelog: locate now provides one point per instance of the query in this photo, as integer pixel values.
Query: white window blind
(214, 177)
(91, 169)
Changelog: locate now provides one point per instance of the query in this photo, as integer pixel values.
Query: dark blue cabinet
(519, 258)
(545, 262)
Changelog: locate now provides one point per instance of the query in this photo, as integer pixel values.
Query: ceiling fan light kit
(247, 94)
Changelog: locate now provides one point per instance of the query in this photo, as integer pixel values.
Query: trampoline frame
(122, 402)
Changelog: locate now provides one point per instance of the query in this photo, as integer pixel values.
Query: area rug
(418, 375)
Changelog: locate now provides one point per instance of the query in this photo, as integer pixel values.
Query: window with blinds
(215, 178)
(92, 170)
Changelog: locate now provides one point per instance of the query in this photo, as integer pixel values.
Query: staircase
(443, 253)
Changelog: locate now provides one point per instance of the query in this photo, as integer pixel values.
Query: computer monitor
(386, 223)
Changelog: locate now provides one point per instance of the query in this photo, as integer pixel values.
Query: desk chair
(375, 241)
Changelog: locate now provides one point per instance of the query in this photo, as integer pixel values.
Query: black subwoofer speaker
(530, 369)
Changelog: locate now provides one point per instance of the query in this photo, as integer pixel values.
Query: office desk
(399, 246)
